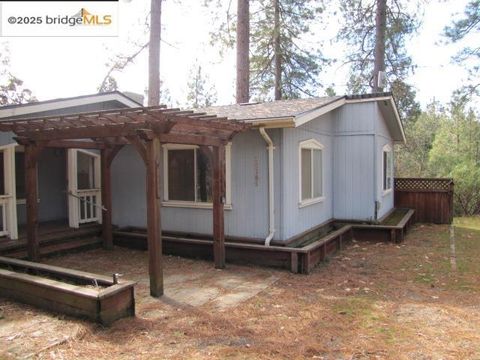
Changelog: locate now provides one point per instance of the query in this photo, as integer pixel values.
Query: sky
(63, 67)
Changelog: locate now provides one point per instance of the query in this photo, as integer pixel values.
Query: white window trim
(387, 149)
(313, 145)
(194, 204)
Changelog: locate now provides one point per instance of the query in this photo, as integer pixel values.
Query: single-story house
(301, 163)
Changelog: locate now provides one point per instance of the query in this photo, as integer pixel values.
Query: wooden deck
(54, 237)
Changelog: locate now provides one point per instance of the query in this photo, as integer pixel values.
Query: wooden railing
(432, 198)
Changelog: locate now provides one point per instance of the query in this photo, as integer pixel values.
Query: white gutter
(271, 212)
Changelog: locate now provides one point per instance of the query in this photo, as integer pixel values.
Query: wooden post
(106, 200)
(31, 163)
(218, 205)
(154, 231)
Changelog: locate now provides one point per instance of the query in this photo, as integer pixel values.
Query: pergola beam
(145, 129)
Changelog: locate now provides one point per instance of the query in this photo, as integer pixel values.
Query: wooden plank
(106, 199)
(74, 144)
(176, 138)
(154, 231)
(218, 206)
(294, 263)
(31, 170)
(77, 275)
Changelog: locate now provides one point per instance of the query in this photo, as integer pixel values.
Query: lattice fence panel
(425, 184)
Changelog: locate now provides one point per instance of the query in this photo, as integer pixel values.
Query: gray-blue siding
(352, 179)
(353, 138)
(248, 216)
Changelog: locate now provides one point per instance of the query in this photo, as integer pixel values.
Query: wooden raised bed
(382, 232)
(298, 260)
(299, 255)
(66, 291)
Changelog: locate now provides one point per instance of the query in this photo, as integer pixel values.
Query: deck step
(61, 247)
(51, 239)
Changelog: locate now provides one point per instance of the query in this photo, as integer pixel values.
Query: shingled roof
(296, 112)
(270, 110)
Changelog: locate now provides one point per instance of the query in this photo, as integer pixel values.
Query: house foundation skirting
(300, 256)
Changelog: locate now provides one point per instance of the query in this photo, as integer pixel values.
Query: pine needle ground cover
(372, 300)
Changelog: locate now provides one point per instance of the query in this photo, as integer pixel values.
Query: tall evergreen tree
(467, 26)
(243, 51)
(200, 92)
(154, 53)
(375, 32)
(281, 64)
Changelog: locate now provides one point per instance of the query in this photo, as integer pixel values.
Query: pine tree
(154, 53)
(200, 92)
(467, 27)
(243, 51)
(375, 32)
(281, 65)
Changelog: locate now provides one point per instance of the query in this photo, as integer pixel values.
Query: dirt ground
(371, 301)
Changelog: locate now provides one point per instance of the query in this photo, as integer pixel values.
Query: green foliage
(300, 66)
(456, 153)
(412, 158)
(358, 33)
(200, 93)
(461, 29)
(446, 143)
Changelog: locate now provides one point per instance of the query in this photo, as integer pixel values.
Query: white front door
(8, 200)
(84, 194)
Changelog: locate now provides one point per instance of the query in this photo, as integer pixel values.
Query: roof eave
(315, 113)
(32, 108)
(400, 137)
(272, 123)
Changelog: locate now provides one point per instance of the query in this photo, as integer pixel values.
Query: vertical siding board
(249, 214)
(295, 219)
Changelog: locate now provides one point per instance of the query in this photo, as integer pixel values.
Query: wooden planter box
(66, 291)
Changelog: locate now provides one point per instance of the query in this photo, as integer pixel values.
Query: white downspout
(271, 212)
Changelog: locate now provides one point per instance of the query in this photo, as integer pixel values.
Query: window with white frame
(387, 168)
(311, 171)
(188, 175)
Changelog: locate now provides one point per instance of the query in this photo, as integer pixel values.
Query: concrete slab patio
(187, 282)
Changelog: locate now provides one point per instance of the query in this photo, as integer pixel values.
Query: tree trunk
(243, 51)
(380, 28)
(154, 53)
(277, 51)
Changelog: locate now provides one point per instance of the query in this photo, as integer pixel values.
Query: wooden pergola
(145, 128)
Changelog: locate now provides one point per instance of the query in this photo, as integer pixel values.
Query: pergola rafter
(145, 128)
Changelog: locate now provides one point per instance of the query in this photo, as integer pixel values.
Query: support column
(31, 164)
(106, 200)
(154, 230)
(218, 206)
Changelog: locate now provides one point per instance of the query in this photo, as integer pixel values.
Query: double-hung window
(188, 176)
(311, 172)
(387, 168)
